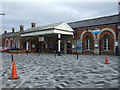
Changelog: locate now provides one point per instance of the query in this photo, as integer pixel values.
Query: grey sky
(42, 13)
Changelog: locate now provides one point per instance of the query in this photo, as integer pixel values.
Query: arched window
(7, 43)
(11, 43)
(106, 42)
(88, 43)
(16, 43)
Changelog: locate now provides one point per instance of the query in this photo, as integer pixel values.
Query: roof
(95, 22)
(50, 26)
(56, 28)
(11, 34)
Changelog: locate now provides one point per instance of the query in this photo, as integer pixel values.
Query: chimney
(5, 32)
(13, 30)
(21, 27)
(33, 25)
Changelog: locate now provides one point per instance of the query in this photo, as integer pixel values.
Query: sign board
(96, 31)
(79, 45)
(41, 39)
(96, 44)
(73, 45)
(118, 26)
(116, 43)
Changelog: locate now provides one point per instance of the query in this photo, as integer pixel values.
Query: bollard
(26, 52)
(12, 57)
(55, 53)
(77, 55)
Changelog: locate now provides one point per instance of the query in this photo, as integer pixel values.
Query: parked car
(8, 49)
(5, 50)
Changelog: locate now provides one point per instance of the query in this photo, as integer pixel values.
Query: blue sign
(96, 31)
(79, 45)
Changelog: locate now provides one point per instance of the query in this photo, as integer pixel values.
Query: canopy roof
(56, 28)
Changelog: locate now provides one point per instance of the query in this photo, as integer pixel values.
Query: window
(16, 43)
(106, 42)
(7, 43)
(32, 44)
(88, 42)
(11, 43)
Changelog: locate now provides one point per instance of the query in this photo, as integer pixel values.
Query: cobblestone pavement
(48, 71)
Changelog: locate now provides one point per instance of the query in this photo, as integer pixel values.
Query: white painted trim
(64, 26)
(63, 32)
(107, 29)
(47, 32)
(38, 33)
(110, 30)
(81, 37)
(26, 45)
(59, 36)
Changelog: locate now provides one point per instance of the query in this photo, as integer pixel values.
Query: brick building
(105, 42)
(74, 37)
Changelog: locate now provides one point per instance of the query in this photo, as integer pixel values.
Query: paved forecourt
(48, 71)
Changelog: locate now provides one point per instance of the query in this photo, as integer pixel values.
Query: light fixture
(68, 41)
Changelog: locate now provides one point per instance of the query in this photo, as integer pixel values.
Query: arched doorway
(106, 43)
(88, 43)
(11, 43)
(16, 43)
(7, 43)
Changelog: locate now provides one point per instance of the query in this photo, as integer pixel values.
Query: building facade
(93, 36)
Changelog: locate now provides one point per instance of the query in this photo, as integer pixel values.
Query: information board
(79, 45)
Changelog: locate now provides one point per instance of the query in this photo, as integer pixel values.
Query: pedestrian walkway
(66, 71)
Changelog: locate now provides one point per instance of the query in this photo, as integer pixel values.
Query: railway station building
(92, 36)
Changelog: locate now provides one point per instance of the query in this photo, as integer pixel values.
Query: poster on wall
(96, 44)
(116, 43)
(79, 44)
(41, 38)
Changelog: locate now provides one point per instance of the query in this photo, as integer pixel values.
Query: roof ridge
(93, 19)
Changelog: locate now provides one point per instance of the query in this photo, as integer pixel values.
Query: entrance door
(69, 47)
(42, 47)
(37, 48)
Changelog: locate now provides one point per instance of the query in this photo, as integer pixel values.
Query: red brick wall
(79, 32)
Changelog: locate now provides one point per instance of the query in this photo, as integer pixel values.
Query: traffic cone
(106, 60)
(14, 71)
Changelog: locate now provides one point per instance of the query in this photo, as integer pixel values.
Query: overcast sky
(42, 13)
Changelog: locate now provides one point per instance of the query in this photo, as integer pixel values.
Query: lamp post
(75, 33)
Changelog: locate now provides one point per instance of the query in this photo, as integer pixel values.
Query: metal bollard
(55, 53)
(77, 55)
(12, 57)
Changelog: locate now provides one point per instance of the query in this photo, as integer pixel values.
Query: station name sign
(96, 31)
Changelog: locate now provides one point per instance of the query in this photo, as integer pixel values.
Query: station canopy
(56, 28)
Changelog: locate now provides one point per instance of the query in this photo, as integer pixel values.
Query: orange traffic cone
(14, 72)
(106, 60)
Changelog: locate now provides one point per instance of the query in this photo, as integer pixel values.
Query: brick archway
(84, 46)
(7, 43)
(11, 42)
(111, 41)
